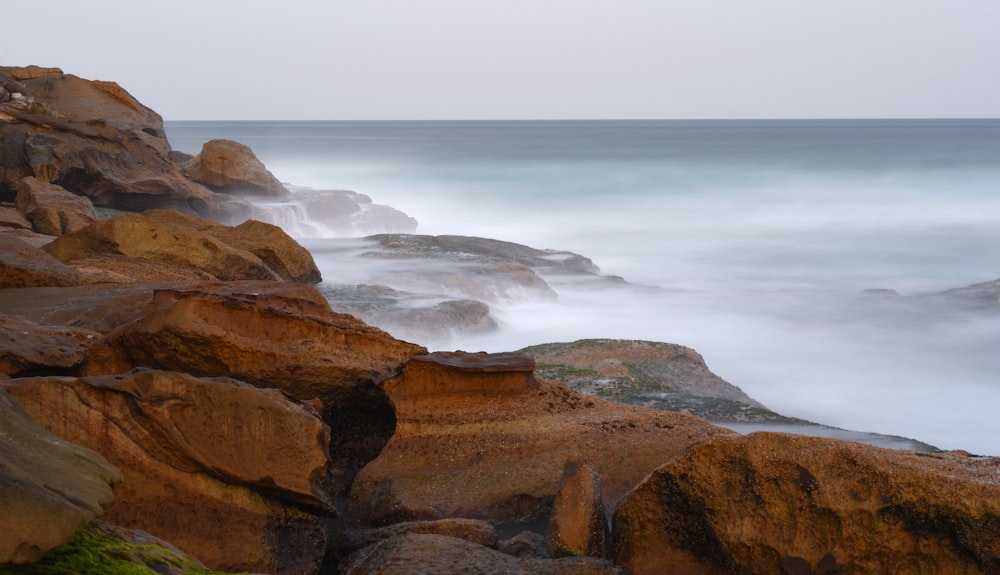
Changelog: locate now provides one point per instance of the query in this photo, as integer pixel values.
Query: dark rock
(27, 348)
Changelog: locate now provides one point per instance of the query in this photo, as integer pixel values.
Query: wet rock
(651, 374)
(49, 488)
(24, 265)
(775, 503)
(27, 348)
(439, 555)
(236, 475)
(578, 524)
(51, 209)
(478, 436)
(231, 167)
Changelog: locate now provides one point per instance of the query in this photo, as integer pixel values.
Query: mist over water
(760, 239)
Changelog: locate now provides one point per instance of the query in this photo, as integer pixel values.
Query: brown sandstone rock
(11, 218)
(419, 554)
(23, 265)
(478, 436)
(94, 139)
(286, 257)
(51, 209)
(775, 503)
(233, 474)
(29, 72)
(578, 524)
(27, 348)
(230, 167)
(292, 342)
(49, 488)
(473, 530)
(139, 237)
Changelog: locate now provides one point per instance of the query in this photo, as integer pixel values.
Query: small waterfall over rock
(309, 213)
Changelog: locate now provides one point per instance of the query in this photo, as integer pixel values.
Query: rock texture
(418, 554)
(51, 209)
(652, 374)
(24, 265)
(230, 167)
(49, 488)
(478, 436)
(235, 475)
(775, 503)
(94, 139)
(578, 524)
(27, 348)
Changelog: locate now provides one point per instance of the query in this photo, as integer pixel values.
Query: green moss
(91, 552)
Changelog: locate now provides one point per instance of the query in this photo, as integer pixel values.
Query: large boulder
(231, 167)
(51, 209)
(24, 265)
(776, 503)
(286, 257)
(292, 341)
(478, 436)
(94, 139)
(137, 236)
(233, 474)
(49, 488)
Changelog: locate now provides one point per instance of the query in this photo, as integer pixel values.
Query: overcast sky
(524, 59)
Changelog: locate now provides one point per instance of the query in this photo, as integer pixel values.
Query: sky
(524, 59)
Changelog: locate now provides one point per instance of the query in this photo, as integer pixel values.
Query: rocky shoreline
(184, 379)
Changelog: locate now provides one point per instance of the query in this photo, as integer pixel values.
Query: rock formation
(24, 265)
(776, 503)
(236, 475)
(51, 209)
(49, 488)
(478, 436)
(230, 167)
(578, 524)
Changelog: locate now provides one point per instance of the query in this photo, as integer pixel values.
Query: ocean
(799, 257)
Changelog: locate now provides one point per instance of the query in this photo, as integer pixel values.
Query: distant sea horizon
(763, 237)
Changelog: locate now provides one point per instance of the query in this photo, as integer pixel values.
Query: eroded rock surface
(233, 474)
(25, 265)
(776, 503)
(231, 167)
(478, 436)
(51, 209)
(578, 524)
(49, 488)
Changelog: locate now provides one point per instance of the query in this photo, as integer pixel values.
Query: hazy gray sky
(472, 59)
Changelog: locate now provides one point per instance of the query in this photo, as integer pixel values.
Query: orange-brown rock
(478, 436)
(136, 236)
(420, 554)
(27, 348)
(11, 218)
(49, 488)
(578, 524)
(773, 503)
(291, 341)
(29, 72)
(233, 474)
(51, 209)
(230, 167)
(94, 139)
(24, 265)
(473, 530)
(286, 257)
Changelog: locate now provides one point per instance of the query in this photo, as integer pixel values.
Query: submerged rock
(776, 503)
(49, 488)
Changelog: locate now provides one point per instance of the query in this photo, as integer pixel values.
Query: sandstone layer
(478, 436)
(49, 488)
(776, 503)
(235, 475)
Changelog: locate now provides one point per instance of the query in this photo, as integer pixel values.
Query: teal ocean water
(762, 235)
